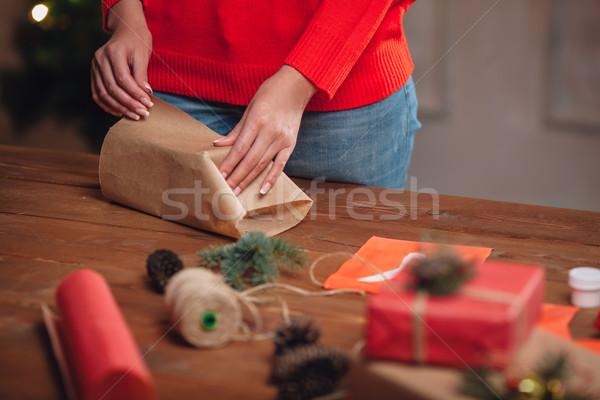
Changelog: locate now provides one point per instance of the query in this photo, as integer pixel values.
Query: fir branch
(253, 260)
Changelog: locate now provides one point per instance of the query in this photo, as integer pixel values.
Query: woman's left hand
(268, 129)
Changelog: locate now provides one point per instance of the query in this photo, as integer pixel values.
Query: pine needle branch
(254, 259)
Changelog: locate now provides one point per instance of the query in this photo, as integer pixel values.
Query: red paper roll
(100, 354)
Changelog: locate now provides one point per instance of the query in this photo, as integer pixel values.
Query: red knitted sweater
(354, 51)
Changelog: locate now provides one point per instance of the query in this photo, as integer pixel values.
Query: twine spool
(206, 312)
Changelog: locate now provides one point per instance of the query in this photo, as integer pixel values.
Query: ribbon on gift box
(95, 350)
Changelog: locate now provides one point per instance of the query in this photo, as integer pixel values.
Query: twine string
(418, 328)
(313, 265)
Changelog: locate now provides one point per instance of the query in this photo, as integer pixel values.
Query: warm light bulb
(39, 12)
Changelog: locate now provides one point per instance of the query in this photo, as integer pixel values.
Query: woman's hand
(119, 69)
(267, 130)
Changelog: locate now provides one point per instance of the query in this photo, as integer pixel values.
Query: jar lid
(584, 278)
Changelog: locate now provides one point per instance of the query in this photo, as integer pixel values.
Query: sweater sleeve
(107, 4)
(334, 39)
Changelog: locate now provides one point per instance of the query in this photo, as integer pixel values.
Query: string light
(39, 12)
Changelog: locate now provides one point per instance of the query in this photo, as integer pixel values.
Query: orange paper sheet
(556, 319)
(383, 255)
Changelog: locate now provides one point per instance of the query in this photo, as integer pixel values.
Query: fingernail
(237, 191)
(224, 174)
(218, 140)
(265, 188)
(148, 87)
(132, 115)
(146, 102)
(141, 112)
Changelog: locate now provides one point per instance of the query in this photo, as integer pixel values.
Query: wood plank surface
(61, 167)
(53, 220)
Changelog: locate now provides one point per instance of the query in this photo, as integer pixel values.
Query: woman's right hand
(120, 67)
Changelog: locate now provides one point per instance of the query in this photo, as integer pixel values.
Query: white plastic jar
(585, 287)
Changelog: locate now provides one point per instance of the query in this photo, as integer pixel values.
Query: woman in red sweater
(322, 87)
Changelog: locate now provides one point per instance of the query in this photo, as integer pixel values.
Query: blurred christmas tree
(56, 41)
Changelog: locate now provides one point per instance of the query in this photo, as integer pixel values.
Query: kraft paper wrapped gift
(165, 165)
(482, 325)
(389, 380)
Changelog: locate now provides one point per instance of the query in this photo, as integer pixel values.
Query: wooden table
(53, 220)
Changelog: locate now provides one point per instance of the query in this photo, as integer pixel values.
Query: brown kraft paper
(165, 165)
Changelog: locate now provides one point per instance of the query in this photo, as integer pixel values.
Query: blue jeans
(369, 145)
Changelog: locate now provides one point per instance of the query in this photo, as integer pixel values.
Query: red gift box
(482, 325)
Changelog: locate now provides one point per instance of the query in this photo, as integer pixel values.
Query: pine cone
(161, 266)
(296, 334)
(437, 267)
(441, 273)
(308, 371)
(302, 368)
